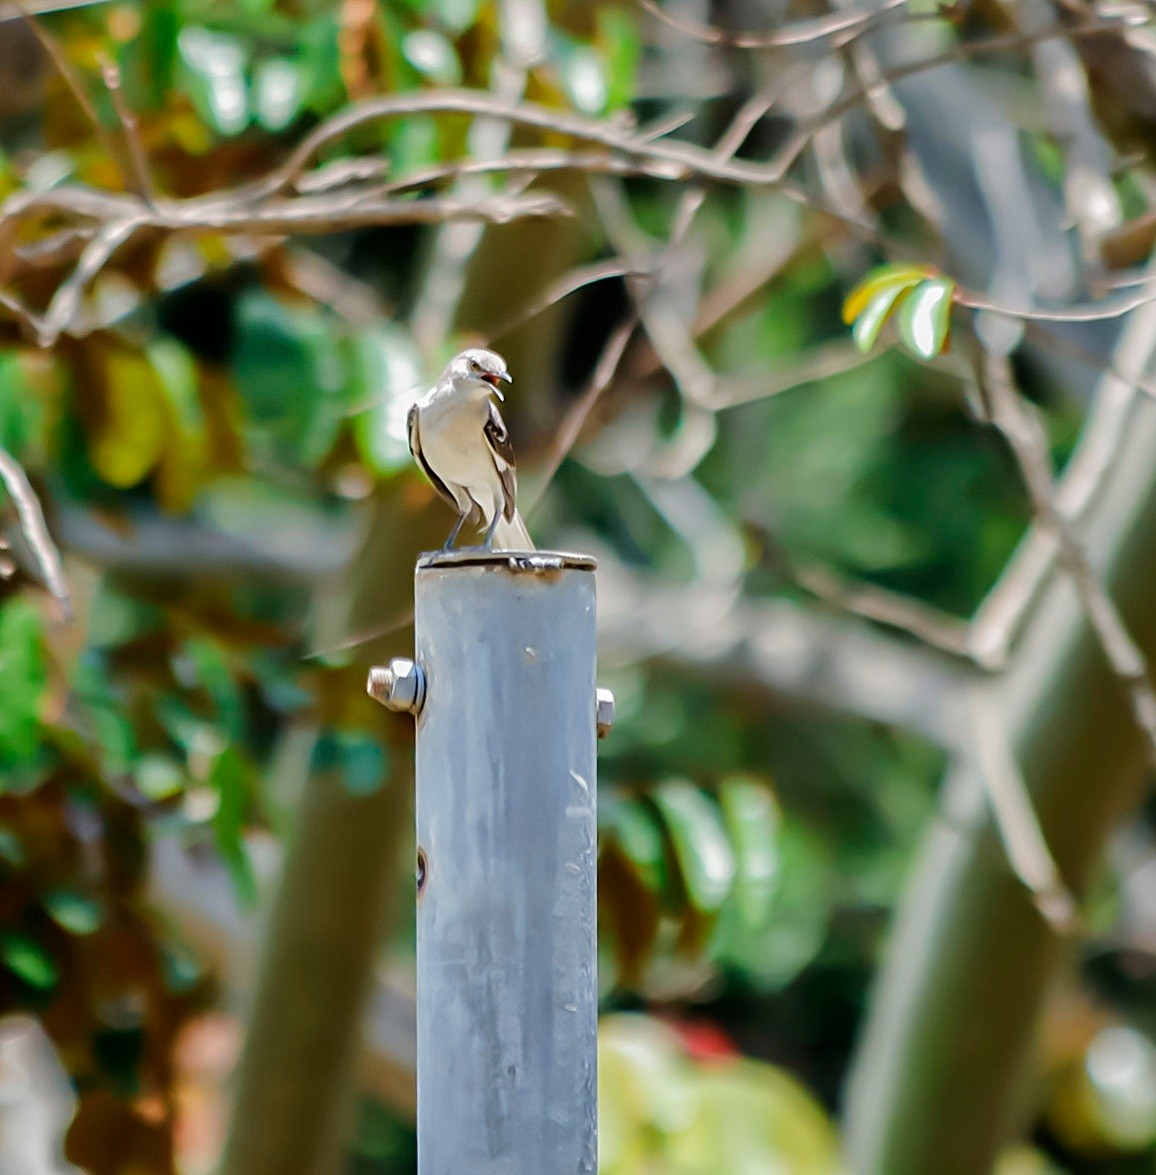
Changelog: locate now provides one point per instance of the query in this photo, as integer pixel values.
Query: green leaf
(633, 826)
(925, 316)
(29, 961)
(878, 311)
(752, 820)
(227, 778)
(75, 912)
(878, 281)
(705, 858)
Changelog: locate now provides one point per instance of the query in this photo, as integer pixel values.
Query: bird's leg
(488, 545)
(454, 533)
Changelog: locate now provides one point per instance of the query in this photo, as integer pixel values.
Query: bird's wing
(503, 452)
(414, 430)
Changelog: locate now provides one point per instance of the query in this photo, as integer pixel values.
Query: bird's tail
(511, 535)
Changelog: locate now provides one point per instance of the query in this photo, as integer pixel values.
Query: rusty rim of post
(527, 561)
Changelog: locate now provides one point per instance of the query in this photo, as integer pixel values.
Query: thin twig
(572, 423)
(1024, 434)
(1015, 818)
(937, 629)
(76, 87)
(804, 32)
(566, 285)
(130, 133)
(35, 530)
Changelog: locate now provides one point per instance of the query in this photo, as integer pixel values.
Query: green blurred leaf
(701, 846)
(359, 759)
(23, 680)
(29, 961)
(202, 663)
(278, 93)
(386, 381)
(214, 77)
(75, 912)
(432, 55)
(752, 819)
(925, 317)
(633, 825)
(621, 45)
(158, 777)
(583, 75)
(227, 777)
(11, 850)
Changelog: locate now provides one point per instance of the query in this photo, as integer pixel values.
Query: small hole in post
(422, 870)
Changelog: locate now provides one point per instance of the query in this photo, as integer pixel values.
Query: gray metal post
(507, 989)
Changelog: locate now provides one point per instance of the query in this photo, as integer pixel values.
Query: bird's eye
(475, 365)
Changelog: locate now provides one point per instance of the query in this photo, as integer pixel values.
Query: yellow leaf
(133, 430)
(887, 277)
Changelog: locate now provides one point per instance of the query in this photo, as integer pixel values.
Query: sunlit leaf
(879, 281)
(752, 820)
(878, 311)
(701, 846)
(925, 316)
(29, 960)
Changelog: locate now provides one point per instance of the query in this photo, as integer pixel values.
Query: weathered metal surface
(506, 949)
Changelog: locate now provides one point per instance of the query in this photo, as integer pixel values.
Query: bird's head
(479, 369)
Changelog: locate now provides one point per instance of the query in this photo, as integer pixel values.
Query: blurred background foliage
(218, 440)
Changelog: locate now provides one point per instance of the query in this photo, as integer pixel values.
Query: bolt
(604, 712)
(400, 685)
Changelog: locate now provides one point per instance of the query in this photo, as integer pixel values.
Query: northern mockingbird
(459, 439)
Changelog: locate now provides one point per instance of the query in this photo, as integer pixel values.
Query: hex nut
(399, 686)
(604, 712)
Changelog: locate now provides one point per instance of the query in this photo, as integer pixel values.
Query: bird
(460, 442)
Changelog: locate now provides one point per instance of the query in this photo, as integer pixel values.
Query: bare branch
(804, 32)
(133, 148)
(1015, 818)
(35, 530)
(1028, 443)
(572, 423)
(569, 283)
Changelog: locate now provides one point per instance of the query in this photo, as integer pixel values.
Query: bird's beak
(493, 378)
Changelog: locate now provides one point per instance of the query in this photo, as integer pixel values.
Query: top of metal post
(532, 562)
